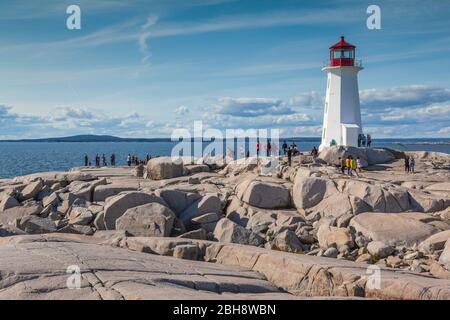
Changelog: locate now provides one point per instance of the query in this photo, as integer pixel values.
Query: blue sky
(142, 68)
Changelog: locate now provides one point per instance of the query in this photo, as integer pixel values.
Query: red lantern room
(342, 54)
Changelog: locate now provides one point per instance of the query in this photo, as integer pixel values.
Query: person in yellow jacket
(348, 165)
(353, 165)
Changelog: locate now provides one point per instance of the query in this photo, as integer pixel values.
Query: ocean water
(20, 158)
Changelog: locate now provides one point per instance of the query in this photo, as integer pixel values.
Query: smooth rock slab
(391, 228)
(36, 269)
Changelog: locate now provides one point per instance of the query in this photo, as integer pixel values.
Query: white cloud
(252, 107)
(404, 96)
(308, 99)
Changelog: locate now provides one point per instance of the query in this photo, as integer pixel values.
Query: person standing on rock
(406, 164)
(412, 163)
(113, 159)
(104, 160)
(289, 155)
(86, 160)
(268, 147)
(285, 147)
(97, 160)
(369, 141)
(353, 165)
(348, 164)
(363, 140)
(342, 164)
(129, 160)
(359, 165)
(258, 147)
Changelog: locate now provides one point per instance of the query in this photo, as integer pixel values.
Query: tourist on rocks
(354, 165)
(342, 164)
(363, 140)
(104, 160)
(258, 147)
(268, 147)
(97, 160)
(314, 152)
(113, 159)
(86, 160)
(289, 155)
(412, 163)
(359, 164)
(285, 147)
(369, 140)
(129, 160)
(359, 140)
(348, 165)
(406, 164)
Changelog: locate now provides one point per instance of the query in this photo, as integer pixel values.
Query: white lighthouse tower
(342, 114)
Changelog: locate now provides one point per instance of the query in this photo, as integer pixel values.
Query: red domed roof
(342, 44)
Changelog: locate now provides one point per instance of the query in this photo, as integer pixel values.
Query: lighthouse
(342, 113)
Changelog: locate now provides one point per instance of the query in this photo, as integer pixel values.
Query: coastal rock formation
(258, 219)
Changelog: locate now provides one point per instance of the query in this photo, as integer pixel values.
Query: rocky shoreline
(244, 229)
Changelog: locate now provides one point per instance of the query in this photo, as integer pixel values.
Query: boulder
(13, 215)
(207, 221)
(164, 168)
(328, 235)
(373, 156)
(148, 220)
(80, 215)
(207, 204)
(116, 206)
(309, 191)
(37, 225)
(435, 242)
(228, 231)
(8, 202)
(177, 200)
(288, 241)
(67, 199)
(138, 171)
(264, 194)
(187, 252)
(102, 192)
(392, 229)
(379, 249)
(31, 190)
(51, 200)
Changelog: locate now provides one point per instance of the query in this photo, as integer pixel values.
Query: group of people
(364, 140)
(268, 147)
(410, 163)
(350, 166)
(100, 161)
(134, 160)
